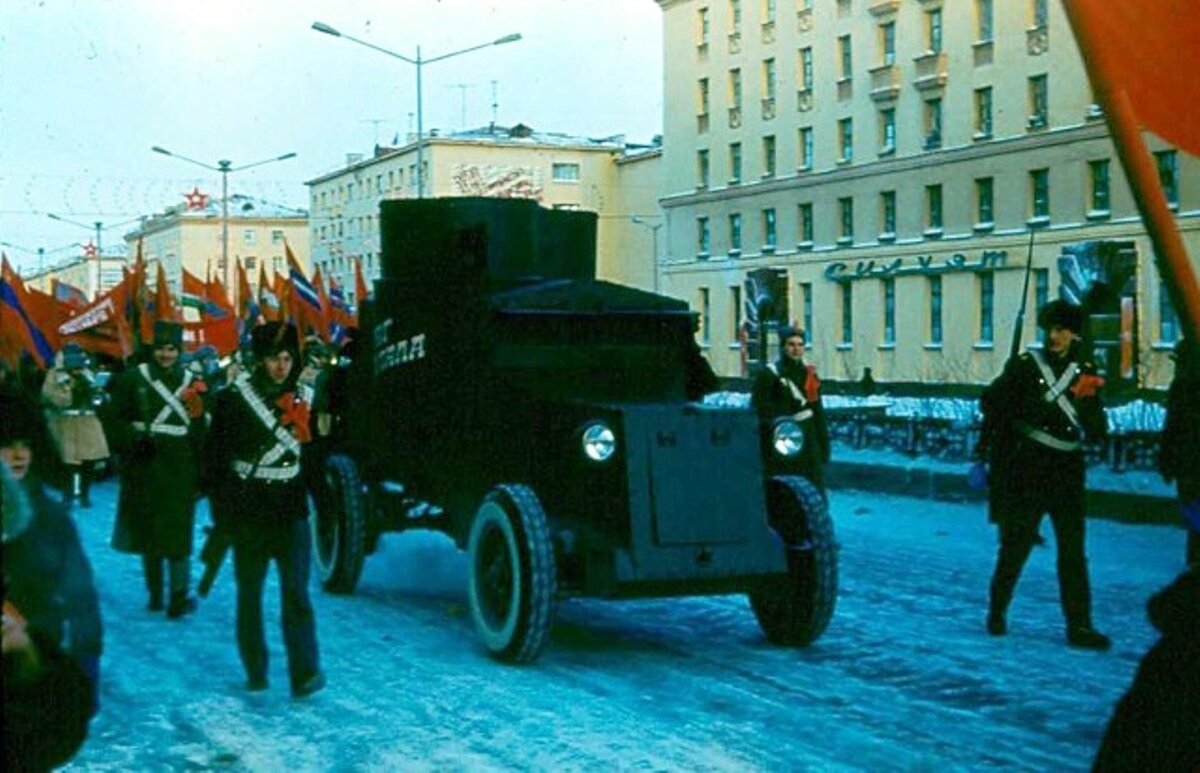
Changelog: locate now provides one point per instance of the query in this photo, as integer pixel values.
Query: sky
(87, 87)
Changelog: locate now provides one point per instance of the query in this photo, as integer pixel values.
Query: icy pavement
(905, 679)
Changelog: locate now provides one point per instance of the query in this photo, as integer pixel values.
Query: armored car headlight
(787, 438)
(599, 442)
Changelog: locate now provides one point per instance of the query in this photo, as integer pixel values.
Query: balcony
(702, 123)
(931, 70)
(768, 108)
(804, 100)
(735, 118)
(883, 7)
(804, 20)
(1037, 40)
(735, 42)
(1036, 122)
(768, 32)
(885, 82)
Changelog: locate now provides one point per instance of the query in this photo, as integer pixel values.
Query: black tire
(512, 579)
(339, 527)
(795, 609)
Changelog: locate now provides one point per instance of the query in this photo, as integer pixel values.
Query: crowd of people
(250, 433)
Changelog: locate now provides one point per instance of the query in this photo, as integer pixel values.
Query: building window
(1040, 13)
(935, 310)
(847, 313)
(806, 305)
(806, 223)
(702, 168)
(983, 201)
(889, 312)
(768, 221)
(984, 24)
(703, 236)
(735, 17)
(565, 172)
(933, 123)
(277, 236)
(1100, 199)
(933, 202)
(1039, 189)
(735, 298)
(735, 162)
(735, 88)
(702, 27)
(1167, 162)
(887, 206)
(1168, 319)
(249, 236)
(735, 232)
(702, 95)
(933, 30)
(1041, 294)
(887, 131)
(987, 299)
(887, 43)
(705, 310)
(1038, 102)
(277, 264)
(768, 149)
(806, 148)
(768, 75)
(846, 139)
(806, 69)
(251, 262)
(983, 112)
(844, 55)
(846, 209)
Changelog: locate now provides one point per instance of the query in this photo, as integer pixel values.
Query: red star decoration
(196, 199)
(90, 251)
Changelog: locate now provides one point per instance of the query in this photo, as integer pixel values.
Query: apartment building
(889, 159)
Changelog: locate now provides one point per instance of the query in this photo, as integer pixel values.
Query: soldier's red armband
(1087, 386)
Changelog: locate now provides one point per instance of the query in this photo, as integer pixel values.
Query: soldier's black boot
(153, 570)
(1087, 638)
(997, 623)
(181, 604)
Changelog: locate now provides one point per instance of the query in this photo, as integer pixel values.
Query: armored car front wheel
(795, 608)
(512, 578)
(339, 526)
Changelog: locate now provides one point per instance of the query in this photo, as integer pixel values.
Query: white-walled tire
(339, 526)
(795, 608)
(512, 580)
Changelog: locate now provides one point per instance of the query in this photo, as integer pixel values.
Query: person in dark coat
(790, 387)
(260, 428)
(1037, 415)
(1179, 446)
(69, 392)
(1156, 724)
(157, 424)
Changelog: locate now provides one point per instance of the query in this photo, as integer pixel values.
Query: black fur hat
(270, 338)
(1062, 313)
(787, 331)
(167, 333)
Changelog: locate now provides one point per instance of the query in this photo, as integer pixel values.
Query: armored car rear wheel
(512, 578)
(795, 609)
(339, 526)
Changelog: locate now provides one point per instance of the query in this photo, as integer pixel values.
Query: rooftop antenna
(495, 104)
(375, 123)
(462, 92)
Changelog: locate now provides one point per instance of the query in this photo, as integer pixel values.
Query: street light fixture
(225, 167)
(98, 225)
(418, 62)
(40, 252)
(654, 256)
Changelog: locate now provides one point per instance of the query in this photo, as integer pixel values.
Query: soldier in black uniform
(260, 426)
(157, 424)
(1179, 449)
(789, 387)
(1037, 414)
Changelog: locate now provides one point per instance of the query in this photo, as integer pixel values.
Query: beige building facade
(92, 274)
(607, 176)
(890, 158)
(180, 238)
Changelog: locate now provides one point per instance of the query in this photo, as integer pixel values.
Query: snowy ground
(904, 679)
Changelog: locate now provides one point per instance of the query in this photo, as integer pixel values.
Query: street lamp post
(654, 255)
(225, 167)
(40, 251)
(418, 62)
(98, 225)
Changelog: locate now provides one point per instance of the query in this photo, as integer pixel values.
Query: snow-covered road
(905, 678)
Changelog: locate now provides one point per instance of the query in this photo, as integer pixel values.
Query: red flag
(103, 325)
(268, 300)
(22, 318)
(164, 304)
(1142, 59)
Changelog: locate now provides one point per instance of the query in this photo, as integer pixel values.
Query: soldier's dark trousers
(1018, 533)
(1189, 492)
(289, 543)
(179, 573)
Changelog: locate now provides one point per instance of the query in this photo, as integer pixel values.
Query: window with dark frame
(933, 30)
(889, 312)
(846, 58)
(806, 304)
(983, 201)
(984, 23)
(935, 310)
(1168, 319)
(702, 168)
(703, 236)
(846, 139)
(735, 162)
(806, 148)
(768, 223)
(806, 222)
(887, 130)
(887, 203)
(1100, 185)
(735, 232)
(1039, 188)
(987, 299)
(768, 150)
(846, 209)
(847, 313)
(1167, 162)
(806, 68)
(933, 202)
(983, 112)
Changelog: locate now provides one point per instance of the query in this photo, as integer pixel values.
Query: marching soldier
(260, 426)
(1179, 446)
(789, 387)
(158, 425)
(1037, 415)
(70, 393)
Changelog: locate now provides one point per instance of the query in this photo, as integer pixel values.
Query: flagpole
(1170, 255)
